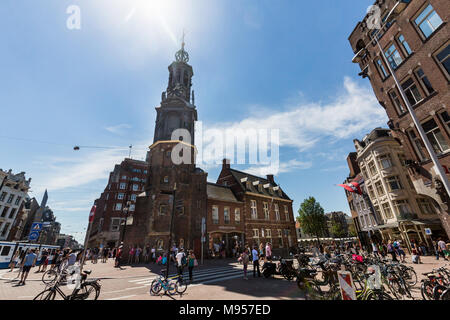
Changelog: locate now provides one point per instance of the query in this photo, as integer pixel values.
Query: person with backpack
(181, 261)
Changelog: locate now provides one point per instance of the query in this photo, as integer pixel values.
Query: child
(244, 258)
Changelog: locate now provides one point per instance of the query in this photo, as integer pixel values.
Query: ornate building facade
(415, 43)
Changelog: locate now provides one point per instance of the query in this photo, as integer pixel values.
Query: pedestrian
(269, 251)
(105, 255)
(28, 263)
(131, 255)
(153, 252)
(118, 257)
(442, 249)
(244, 259)
(400, 251)
(181, 261)
(146, 253)
(192, 262)
(14, 260)
(113, 255)
(44, 261)
(415, 251)
(138, 255)
(255, 259)
(71, 258)
(261, 251)
(391, 251)
(375, 250)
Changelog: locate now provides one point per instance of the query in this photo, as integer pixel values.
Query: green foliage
(337, 229)
(312, 217)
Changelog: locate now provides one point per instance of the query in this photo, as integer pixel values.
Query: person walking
(375, 250)
(181, 261)
(153, 253)
(105, 255)
(28, 263)
(244, 259)
(146, 253)
(442, 249)
(192, 262)
(138, 255)
(14, 260)
(401, 252)
(131, 255)
(255, 259)
(391, 251)
(415, 251)
(269, 251)
(44, 261)
(118, 257)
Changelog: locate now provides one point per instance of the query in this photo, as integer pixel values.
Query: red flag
(92, 213)
(351, 187)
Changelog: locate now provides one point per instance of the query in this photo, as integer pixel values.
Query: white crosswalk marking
(201, 276)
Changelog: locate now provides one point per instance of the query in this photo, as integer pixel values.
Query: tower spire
(182, 55)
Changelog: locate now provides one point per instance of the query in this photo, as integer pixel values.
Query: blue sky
(276, 64)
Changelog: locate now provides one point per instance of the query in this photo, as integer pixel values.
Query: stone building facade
(417, 47)
(400, 213)
(13, 193)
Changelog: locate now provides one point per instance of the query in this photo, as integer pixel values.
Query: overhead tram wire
(71, 146)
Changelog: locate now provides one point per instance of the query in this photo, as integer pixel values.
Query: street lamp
(399, 6)
(125, 210)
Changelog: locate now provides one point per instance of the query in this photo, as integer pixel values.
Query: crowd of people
(27, 259)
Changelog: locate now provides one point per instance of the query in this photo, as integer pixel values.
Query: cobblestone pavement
(216, 279)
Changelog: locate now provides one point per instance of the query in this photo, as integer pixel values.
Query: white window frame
(215, 214)
(253, 209)
(118, 206)
(266, 210)
(237, 216)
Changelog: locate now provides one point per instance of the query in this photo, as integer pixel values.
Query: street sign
(36, 226)
(346, 285)
(428, 231)
(34, 235)
(203, 225)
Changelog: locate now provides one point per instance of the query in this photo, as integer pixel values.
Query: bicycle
(161, 283)
(88, 290)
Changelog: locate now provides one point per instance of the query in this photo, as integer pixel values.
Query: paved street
(219, 279)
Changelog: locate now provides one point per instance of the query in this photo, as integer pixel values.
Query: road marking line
(124, 297)
(132, 288)
(186, 274)
(198, 276)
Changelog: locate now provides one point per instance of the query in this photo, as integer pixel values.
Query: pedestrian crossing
(201, 276)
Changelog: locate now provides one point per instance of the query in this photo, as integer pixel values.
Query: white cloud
(118, 129)
(305, 125)
(288, 166)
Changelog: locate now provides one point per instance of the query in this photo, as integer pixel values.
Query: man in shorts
(28, 263)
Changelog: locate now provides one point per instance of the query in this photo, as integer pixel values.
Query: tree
(337, 229)
(312, 217)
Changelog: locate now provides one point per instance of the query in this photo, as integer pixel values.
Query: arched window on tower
(186, 79)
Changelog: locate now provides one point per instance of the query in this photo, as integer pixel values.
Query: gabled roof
(218, 192)
(238, 175)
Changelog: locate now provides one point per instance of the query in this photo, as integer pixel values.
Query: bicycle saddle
(87, 271)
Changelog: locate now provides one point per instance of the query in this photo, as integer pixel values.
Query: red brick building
(267, 210)
(238, 209)
(125, 183)
(416, 44)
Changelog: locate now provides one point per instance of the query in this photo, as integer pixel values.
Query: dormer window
(248, 185)
(260, 188)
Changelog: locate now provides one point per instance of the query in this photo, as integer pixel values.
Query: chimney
(226, 164)
(270, 178)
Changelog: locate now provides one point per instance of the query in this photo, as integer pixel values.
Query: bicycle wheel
(46, 295)
(181, 286)
(445, 295)
(88, 291)
(426, 290)
(379, 295)
(172, 287)
(49, 276)
(410, 276)
(438, 291)
(155, 287)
